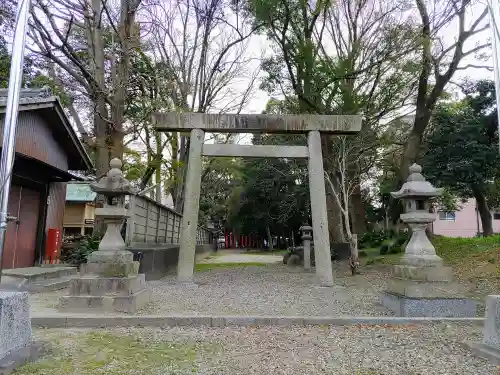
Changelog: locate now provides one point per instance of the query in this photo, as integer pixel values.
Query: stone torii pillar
(312, 125)
(189, 223)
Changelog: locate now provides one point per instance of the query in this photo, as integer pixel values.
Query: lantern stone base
(16, 344)
(489, 348)
(129, 304)
(428, 307)
(426, 292)
(111, 284)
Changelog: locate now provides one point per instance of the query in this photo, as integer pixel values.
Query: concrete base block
(15, 322)
(110, 269)
(105, 303)
(424, 289)
(98, 286)
(428, 307)
(485, 351)
(439, 274)
(40, 274)
(21, 356)
(110, 256)
(491, 331)
(490, 347)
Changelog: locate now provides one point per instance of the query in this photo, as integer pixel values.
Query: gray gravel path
(275, 289)
(272, 290)
(357, 350)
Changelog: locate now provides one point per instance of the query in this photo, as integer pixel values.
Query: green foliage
(387, 242)
(462, 147)
(274, 192)
(4, 63)
(493, 194)
(41, 80)
(372, 239)
(221, 190)
(78, 255)
(32, 77)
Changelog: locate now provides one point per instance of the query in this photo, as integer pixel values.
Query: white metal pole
(9, 128)
(494, 10)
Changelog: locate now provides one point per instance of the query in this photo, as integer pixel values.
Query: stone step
(114, 286)
(38, 274)
(49, 285)
(129, 304)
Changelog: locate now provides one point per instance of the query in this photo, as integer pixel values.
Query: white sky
(260, 99)
(258, 103)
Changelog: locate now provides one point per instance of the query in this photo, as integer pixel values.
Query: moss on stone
(96, 353)
(115, 270)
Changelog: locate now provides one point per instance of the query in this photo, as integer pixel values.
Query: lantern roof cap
(416, 186)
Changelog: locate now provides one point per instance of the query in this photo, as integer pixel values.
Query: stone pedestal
(16, 346)
(109, 281)
(421, 284)
(306, 240)
(490, 347)
(426, 291)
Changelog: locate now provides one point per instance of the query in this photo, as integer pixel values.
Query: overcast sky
(258, 103)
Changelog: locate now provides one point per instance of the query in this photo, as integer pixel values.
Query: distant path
(239, 256)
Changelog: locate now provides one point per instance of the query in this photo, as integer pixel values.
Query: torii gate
(313, 125)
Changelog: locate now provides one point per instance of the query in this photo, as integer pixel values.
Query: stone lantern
(109, 281)
(421, 285)
(306, 239)
(415, 194)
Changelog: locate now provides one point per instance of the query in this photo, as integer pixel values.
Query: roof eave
(52, 101)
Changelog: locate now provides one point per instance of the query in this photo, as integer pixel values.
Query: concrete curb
(484, 351)
(111, 321)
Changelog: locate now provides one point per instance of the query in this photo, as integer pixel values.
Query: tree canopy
(461, 149)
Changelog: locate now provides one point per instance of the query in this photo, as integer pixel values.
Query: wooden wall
(154, 223)
(35, 138)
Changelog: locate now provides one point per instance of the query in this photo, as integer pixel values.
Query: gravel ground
(272, 290)
(227, 257)
(275, 289)
(357, 350)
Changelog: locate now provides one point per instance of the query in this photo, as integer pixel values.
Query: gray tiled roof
(29, 96)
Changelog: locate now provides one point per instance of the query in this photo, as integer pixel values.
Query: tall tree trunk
(484, 211)
(158, 185)
(180, 174)
(358, 211)
(412, 147)
(335, 220)
(269, 238)
(128, 40)
(101, 115)
(334, 212)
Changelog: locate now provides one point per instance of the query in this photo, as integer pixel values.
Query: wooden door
(20, 240)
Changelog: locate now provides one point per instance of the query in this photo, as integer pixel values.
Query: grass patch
(475, 260)
(96, 353)
(212, 266)
(266, 252)
(381, 259)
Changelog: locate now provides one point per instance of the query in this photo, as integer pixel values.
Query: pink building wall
(466, 224)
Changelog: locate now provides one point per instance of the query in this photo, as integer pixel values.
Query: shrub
(78, 254)
(372, 239)
(396, 249)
